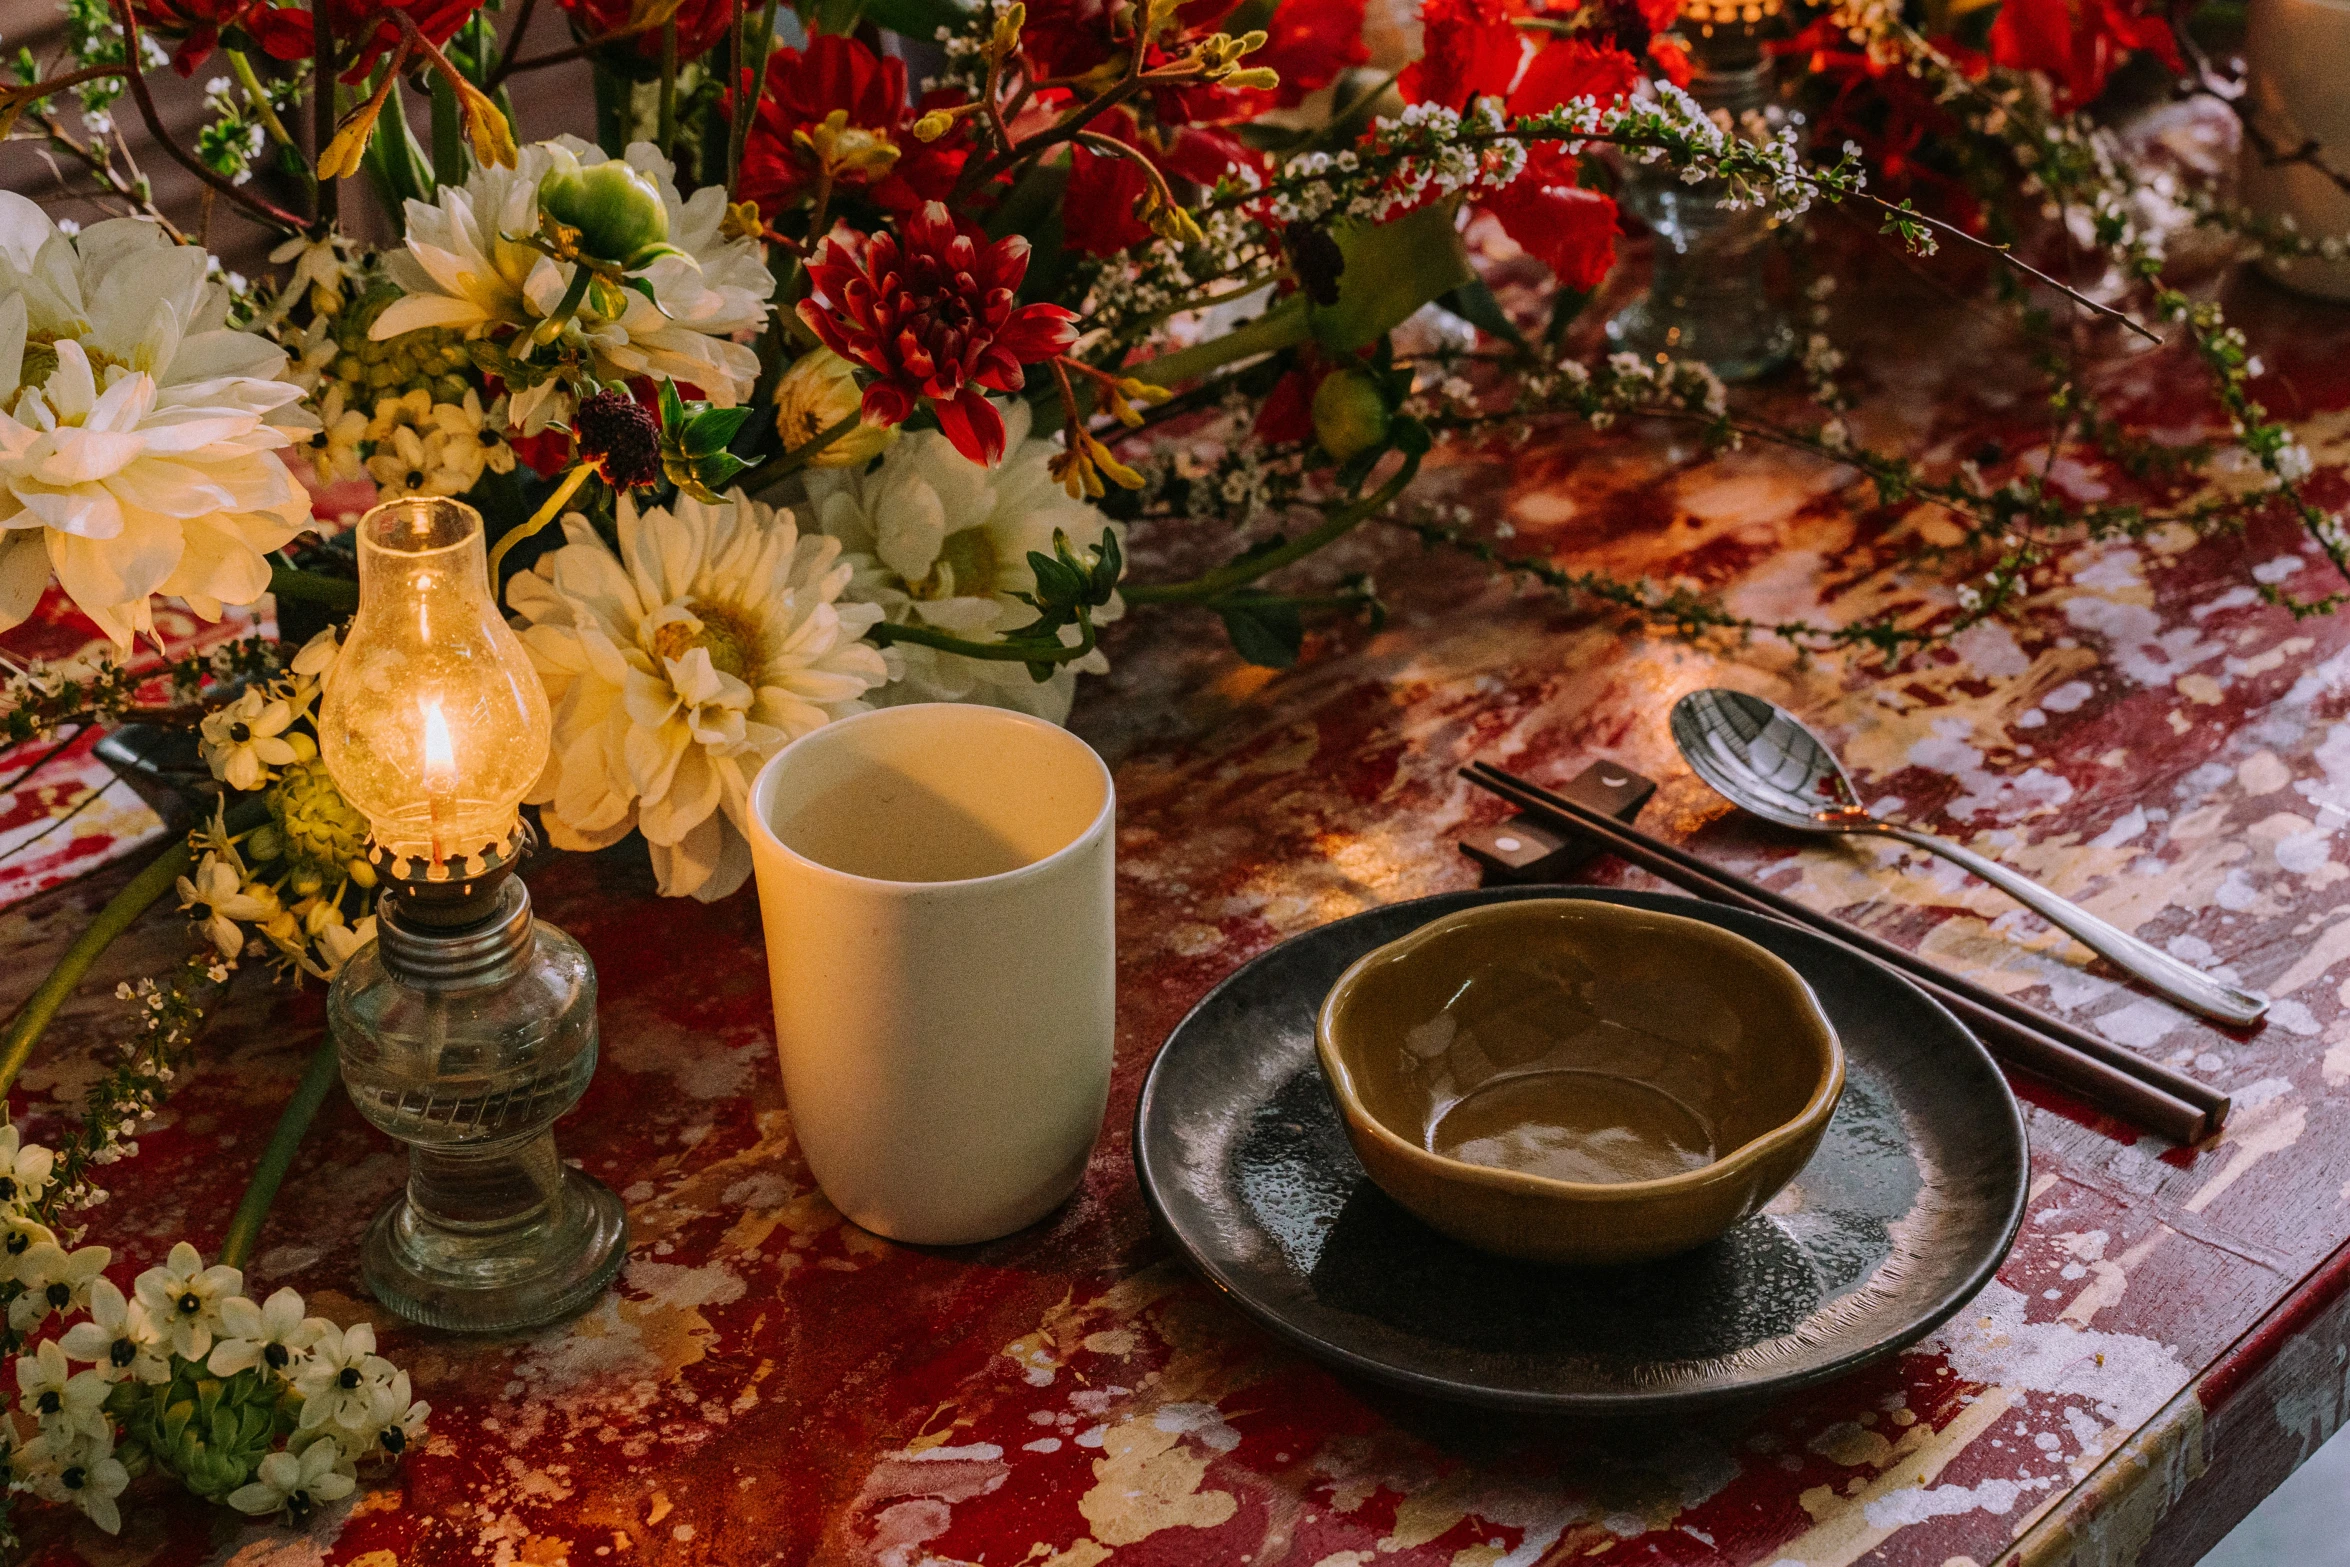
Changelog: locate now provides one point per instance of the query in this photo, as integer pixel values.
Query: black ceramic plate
(1903, 1214)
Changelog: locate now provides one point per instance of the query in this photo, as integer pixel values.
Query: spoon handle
(2189, 987)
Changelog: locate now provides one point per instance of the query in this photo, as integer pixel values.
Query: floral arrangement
(835, 372)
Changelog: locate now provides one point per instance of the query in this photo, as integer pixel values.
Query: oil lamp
(468, 1027)
(1707, 298)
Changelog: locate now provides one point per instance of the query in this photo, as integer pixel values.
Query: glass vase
(1709, 299)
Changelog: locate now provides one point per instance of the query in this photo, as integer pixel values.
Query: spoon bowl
(1761, 758)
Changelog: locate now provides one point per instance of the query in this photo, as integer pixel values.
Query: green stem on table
(310, 587)
(540, 518)
(121, 911)
(293, 1123)
(1239, 573)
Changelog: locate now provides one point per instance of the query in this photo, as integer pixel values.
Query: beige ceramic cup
(935, 882)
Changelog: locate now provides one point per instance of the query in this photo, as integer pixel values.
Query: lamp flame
(440, 773)
(440, 757)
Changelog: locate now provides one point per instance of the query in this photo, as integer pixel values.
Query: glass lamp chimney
(435, 724)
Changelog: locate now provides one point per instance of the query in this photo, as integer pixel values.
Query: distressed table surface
(768, 1384)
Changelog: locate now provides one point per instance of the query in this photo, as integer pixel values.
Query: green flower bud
(1350, 415)
(617, 210)
(322, 832)
(267, 843)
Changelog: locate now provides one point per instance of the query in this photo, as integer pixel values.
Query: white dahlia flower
(138, 433)
(676, 667)
(937, 540)
(463, 269)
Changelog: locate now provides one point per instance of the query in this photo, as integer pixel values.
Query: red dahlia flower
(873, 147)
(934, 319)
(700, 24)
(2079, 43)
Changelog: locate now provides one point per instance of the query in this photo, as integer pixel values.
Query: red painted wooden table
(769, 1384)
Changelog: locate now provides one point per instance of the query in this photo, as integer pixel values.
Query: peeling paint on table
(770, 1384)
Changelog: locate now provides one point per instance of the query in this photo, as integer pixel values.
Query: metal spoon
(1758, 755)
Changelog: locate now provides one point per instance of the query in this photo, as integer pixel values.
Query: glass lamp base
(553, 1268)
(1740, 338)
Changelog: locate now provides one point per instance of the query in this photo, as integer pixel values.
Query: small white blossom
(245, 739)
(221, 890)
(24, 1170)
(119, 1338)
(61, 1398)
(295, 1485)
(273, 1334)
(339, 1380)
(54, 1279)
(78, 1469)
(184, 1297)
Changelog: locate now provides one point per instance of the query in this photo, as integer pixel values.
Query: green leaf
(1474, 303)
(672, 407)
(1392, 269)
(1264, 627)
(712, 430)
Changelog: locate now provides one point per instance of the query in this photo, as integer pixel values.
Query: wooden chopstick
(2141, 1091)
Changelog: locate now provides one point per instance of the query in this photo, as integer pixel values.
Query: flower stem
(665, 130)
(293, 1123)
(448, 135)
(994, 652)
(544, 515)
(798, 457)
(1249, 568)
(259, 99)
(121, 910)
(326, 198)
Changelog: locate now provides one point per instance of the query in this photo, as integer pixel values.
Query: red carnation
(700, 24)
(933, 319)
(2079, 44)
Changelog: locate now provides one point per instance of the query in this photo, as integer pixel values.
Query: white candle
(2298, 56)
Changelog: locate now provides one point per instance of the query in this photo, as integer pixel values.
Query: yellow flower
(816, 393)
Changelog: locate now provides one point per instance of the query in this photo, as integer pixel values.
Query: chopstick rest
(1525, 849)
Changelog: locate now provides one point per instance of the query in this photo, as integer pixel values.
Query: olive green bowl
(1571, 1081)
